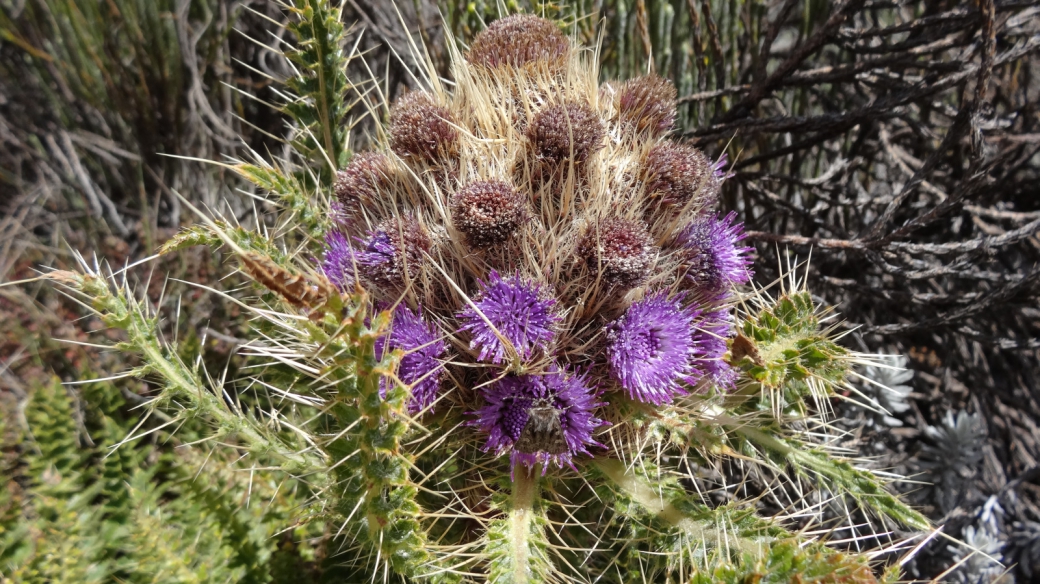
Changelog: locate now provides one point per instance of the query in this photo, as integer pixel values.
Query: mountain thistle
(520, 351)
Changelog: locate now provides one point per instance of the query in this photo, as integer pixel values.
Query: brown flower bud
(517, 40)
(570, 131)
(620, 251)
(421, 129)
(647, 104)
(358, 184)
(678, 176)
(488, 212)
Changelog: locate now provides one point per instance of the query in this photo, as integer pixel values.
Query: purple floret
(376, 252)
(374, 257)
(517, 310)
(651, 349)
(713, 261)
(719, 168)
(507, 412)
(711, 333)
(338, 264)
(421, 366)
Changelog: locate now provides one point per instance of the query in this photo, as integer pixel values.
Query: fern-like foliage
(79, 511)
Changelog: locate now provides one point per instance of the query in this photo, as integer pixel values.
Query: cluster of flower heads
(543, 241)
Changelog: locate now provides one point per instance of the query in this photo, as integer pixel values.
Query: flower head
(541, 418)
(516, 40)
(712, 260)
(710, 335)
(719, 168)
(421, 129)
(488, 212)
(678, 176)
(338, 263)
(358, 184)
(420, 367)
(647, 104)
(651, 348)
(515, 309)
(567, 131)
(393, 252)
(620, 251)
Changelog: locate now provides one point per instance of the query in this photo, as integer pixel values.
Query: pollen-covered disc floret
(651, 348)
(421, 367)
(509, 312)
(712, 259)
(540, 418)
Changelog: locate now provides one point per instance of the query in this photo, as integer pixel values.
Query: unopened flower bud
(422, 130)
(680, 176)
(488, 212)
(517, 40)
(570, 131)
(620, 251)
(647, 104)
(358, 185)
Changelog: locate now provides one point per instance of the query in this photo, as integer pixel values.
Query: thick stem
(521, 517)
(640, 491)
(710, 526)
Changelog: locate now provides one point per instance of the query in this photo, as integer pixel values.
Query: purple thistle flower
(376, 252)
(338, 263)
(393, 253)
(711, 333)
(719, 168)
(651, 349)
(516, 309)
(420, 367)
(541, 418)
(712, 260)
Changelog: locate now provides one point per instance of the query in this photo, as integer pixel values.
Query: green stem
(192, 391)
(521, 517)
(119, 310)
(838, 475)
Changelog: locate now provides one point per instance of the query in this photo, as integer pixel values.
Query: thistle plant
(524, 347)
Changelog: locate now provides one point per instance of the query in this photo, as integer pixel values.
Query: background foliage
(898, 140)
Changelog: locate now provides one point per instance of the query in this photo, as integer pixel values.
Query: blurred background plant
(898, 140)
